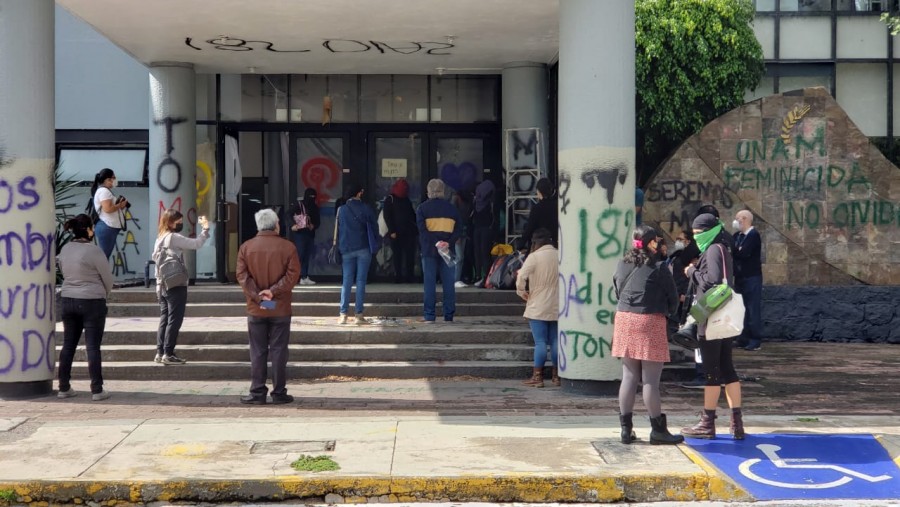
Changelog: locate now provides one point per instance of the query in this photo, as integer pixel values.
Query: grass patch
(808, 419)
(7, 495)
(314, 464)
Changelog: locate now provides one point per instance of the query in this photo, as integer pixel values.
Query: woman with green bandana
(714, 265)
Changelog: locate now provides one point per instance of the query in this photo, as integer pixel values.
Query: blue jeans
(430, 267)
(355, 266)
(106, 237)
(545, 332)
(751, 290)
(305, 246)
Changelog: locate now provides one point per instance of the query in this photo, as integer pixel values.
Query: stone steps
(330, 309)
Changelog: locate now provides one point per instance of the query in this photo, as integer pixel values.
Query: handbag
(302, 220)
(382, 223)
(170, 269)
(714, 297)
(727, 321)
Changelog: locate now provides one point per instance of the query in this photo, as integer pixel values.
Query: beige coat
(541, 275)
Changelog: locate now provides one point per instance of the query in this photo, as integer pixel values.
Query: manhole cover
(292, 446)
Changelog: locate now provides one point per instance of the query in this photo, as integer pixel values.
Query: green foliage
(892, 22)
(808, 419)
(314, 464)
(694, 61)
(63, 189)
(7, 495)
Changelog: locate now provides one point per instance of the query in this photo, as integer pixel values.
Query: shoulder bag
(334, 255)
(713, 298)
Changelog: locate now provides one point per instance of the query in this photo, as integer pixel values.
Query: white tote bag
(727, 321)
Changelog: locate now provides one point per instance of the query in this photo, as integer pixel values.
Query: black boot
(628, 435)
(737, 424)
(659, 433)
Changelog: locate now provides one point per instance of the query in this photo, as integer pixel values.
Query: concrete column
(27, 206)
(525, 106)
(597, 177)
(173, 147)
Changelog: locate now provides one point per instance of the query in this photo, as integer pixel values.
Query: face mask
(679, 245)
(115, 183)
(179, 228)
(736, 225)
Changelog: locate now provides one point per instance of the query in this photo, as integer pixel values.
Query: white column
(597, 176)
(525, 106)
(173, 148)
(27, 206)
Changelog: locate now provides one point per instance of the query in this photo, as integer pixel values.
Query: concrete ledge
(523, 488)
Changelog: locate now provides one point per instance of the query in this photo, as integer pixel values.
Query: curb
(501, 489)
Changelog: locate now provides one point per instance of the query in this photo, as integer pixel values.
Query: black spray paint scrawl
(3, 160)
(606, 177)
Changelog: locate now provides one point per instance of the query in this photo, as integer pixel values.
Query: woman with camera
(714, 266)
(646, 293)
(109, 210)
(87, 281)
(172, 302)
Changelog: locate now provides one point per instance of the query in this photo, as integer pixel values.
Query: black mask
(179, 228)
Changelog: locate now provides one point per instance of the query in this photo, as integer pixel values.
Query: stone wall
(832, 314)
(825, 200)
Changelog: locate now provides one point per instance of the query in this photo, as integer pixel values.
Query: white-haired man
(438, 223)
(267, 269)
(747, 253)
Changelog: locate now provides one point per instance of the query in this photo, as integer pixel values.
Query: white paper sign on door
(393, 168)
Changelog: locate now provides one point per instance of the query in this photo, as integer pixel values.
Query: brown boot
(737, 424)
(706, 428)
(537, 378)
(555, 377)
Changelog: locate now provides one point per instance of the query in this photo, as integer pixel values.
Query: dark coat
(400, 216)
(647, 289)
(545, 215)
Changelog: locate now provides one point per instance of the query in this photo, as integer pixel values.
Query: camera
(122, 198)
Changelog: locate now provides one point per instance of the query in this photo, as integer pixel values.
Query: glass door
(319, 162)
(392, 156)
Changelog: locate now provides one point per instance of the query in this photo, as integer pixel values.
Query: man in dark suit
(748, 278)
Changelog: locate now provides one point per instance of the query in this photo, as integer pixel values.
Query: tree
(892, 22)
(694, 61)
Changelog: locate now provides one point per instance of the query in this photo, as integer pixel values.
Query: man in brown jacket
(267, 269)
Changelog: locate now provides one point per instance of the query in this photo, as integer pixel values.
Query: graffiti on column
(596, 219)
(26, 253)
(168, 175)
(237, 44)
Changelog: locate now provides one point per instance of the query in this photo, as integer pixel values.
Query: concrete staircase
(489, 337)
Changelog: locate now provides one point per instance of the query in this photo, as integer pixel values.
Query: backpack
(170, 270)
(504, 271)
(91, 211)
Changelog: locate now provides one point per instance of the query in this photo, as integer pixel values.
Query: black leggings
(717, 363)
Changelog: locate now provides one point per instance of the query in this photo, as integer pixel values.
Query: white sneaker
(66, 394)
(360, 320)
(342, 319)
(102, 395)
(460, 284)
(307, 281)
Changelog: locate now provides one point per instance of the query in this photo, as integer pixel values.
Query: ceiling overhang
(329, 36)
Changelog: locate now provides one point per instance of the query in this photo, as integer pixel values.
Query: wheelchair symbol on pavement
(771, 452)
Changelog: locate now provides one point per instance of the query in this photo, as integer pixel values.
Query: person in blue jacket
(353, 242)
(439, 227)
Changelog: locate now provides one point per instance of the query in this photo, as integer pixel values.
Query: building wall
(98, 86)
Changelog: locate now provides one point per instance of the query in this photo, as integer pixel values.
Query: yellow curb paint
(720, 487)
(186, 450)
(880, 440)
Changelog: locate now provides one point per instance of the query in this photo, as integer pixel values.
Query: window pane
(764, 28)
(861, 37)
(262, 96)
(319, 163)
(308, 92)
(766, 87)
(461, 162)
(206, 196)
(83, 165)
(464, 98)
(861, 91)
(765, 5)
(399, 98)
(788, 83)
(805, 38)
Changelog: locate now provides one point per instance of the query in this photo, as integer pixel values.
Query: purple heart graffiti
(458, 177)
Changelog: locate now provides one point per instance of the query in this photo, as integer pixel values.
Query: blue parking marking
(798, 467)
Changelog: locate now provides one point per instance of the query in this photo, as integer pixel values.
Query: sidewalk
(421, 440)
